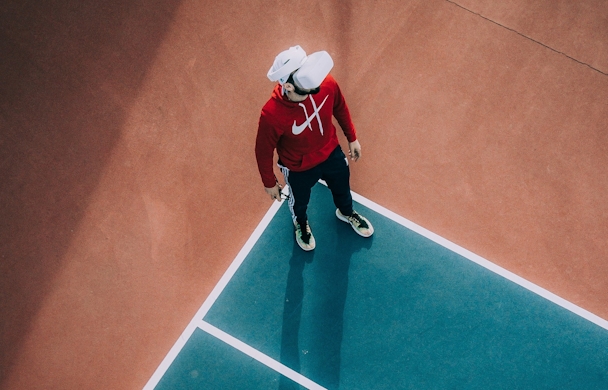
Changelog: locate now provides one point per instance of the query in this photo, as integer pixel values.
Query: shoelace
(360, 221)
(305, 235)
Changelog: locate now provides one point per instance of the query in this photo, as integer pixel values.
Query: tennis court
(132, 210)
(404, 309)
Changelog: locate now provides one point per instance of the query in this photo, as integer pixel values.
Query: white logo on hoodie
(298, 129)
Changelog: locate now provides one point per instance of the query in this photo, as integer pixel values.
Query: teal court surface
(404, 309)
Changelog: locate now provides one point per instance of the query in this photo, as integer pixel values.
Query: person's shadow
(333, 263)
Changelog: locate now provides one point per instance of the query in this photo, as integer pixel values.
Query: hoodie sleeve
(342, 114)
(265, 144)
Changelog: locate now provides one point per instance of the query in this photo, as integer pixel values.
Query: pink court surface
(129, 182)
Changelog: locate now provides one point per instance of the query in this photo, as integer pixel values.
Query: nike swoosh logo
(298, 129)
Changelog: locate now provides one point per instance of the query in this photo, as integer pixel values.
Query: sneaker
(359, 223)
(304, 236)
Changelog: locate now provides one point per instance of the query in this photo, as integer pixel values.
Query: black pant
(334, 171)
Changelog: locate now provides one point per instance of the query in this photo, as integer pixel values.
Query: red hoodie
(302, 132)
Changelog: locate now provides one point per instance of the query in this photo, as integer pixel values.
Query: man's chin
(315, 91)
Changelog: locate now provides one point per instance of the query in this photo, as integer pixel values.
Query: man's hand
(274, 192)
(354, 150)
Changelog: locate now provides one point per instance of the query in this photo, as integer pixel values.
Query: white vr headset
(310, 70)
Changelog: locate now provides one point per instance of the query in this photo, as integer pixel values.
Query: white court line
(259, 356)
(215, 293)
(173, 352)
(482, 262)
(195, 322)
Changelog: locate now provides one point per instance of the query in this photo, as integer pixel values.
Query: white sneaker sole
(341, 217)
(311, 245)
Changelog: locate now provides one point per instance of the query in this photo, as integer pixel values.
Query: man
(297, 122)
